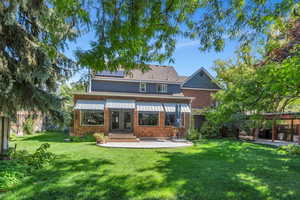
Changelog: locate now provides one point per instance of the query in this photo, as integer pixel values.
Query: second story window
(143, 87)
(162, 88)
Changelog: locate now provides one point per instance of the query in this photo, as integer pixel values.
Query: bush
(100, 137)
(208, 130)
(12, 137)
(28, 126)
(291, 149)
(11, 173)
(86, 138)
(23, 164)
(193, 134)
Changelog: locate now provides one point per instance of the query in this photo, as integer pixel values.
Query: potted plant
(100, 138)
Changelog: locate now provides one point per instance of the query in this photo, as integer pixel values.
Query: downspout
(190, 121)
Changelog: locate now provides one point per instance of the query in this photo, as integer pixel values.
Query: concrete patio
(148, 144)
(275, 143)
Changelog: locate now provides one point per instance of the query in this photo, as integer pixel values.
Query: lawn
(213, 169)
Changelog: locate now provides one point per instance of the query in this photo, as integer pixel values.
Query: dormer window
(143, 87)
(162, 88)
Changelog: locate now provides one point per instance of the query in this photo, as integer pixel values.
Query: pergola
(286, 116)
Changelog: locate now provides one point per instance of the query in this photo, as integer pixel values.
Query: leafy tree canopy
(269, 83)
(131, 33)
(33, 35)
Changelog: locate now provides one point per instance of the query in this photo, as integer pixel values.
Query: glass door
(121, 120)
(115, 120)
(127, 120)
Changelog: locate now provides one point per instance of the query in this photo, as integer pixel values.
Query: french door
(121, 120)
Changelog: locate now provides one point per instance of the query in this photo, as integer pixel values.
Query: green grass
(214, 169)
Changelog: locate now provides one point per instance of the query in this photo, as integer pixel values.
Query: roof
(145, 95)
(201, 79)
(155, 73)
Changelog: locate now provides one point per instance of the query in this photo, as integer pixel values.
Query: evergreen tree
(33, 35)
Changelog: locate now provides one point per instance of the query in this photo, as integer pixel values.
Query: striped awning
(120, 104)
(89, 105)
(149, 106)
(171, 107)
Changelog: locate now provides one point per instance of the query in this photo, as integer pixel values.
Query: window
(143, 87)
(92, 117)
(162, 88)
(170, 119)
(148, 118)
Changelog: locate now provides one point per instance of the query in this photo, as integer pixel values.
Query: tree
(132, 33)
(265, 84)
(66, 93)
(33, 35)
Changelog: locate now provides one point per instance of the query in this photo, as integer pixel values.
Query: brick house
(141, 104)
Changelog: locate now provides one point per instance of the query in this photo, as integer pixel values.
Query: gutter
(131, 95)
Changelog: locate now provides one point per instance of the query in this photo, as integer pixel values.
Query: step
(121, 136)
(123, 140)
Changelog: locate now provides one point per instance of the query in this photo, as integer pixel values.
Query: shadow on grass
(216, 170)
(47, 137)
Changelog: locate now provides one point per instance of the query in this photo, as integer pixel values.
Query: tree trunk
(4, 134)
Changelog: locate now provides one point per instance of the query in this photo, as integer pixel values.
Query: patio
(277, 143)
(148, 144)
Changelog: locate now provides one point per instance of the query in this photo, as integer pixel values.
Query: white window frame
(143, 87)
(163, 86)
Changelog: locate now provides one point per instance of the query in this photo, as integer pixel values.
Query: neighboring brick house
(17, 126)
(142, 104)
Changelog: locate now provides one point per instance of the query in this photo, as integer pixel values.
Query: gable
(200, 79)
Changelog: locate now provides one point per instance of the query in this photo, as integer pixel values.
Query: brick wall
(79, 130)
(203, 98)
(139, 131)
(160, 131)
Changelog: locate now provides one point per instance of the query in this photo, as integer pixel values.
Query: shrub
(208, 130)
(11, 173)
(28, 126)
(23, 164)
(86, 138)
(193, 134)
(290, 149)
(12, 137)
(100, 137)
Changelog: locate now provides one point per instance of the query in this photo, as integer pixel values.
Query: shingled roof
(155, 73)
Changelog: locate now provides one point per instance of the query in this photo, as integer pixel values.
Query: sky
(188, 58)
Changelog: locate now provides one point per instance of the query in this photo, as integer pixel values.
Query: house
(142, 104)
(17, 126)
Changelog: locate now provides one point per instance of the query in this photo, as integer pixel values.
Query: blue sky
(187, 56)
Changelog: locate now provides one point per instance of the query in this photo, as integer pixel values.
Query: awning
(149, 106)
(89, 105)
(171, 107)
(120, 104)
